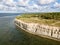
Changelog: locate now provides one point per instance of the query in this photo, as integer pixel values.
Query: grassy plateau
(52, 18)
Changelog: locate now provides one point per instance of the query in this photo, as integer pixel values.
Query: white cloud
(46, 1)
(6, 8)
(1, 7)
(27, 5)
(23, 2)
(1, 0)
(57, 5)
(9, 2)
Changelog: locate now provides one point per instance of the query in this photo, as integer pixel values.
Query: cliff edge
(47, 26)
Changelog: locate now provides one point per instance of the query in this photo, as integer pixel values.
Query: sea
(10, 34)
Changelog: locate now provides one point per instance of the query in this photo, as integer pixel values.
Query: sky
(29, 6)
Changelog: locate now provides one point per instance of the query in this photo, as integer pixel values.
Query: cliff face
(39, 29)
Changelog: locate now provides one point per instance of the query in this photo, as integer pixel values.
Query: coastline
(34, 32)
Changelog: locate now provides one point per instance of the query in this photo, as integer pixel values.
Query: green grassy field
(52, 19)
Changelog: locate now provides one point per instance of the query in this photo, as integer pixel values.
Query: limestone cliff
(39, 29)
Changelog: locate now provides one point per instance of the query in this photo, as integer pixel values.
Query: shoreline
(35, 33)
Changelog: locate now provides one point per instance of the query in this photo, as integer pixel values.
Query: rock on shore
(39, 29)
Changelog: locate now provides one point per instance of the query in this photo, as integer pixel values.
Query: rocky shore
(46, 31)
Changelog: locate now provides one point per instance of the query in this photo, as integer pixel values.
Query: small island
(42, 24)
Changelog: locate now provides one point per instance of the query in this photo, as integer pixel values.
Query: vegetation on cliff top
(42, 18)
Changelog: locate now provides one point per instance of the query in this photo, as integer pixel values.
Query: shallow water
(11, 35)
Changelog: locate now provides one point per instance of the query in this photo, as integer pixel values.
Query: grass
(47, 18)
(58, 24)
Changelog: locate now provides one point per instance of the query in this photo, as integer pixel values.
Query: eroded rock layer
(39, 29)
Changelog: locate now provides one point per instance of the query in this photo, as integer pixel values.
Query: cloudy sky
(29, 5)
